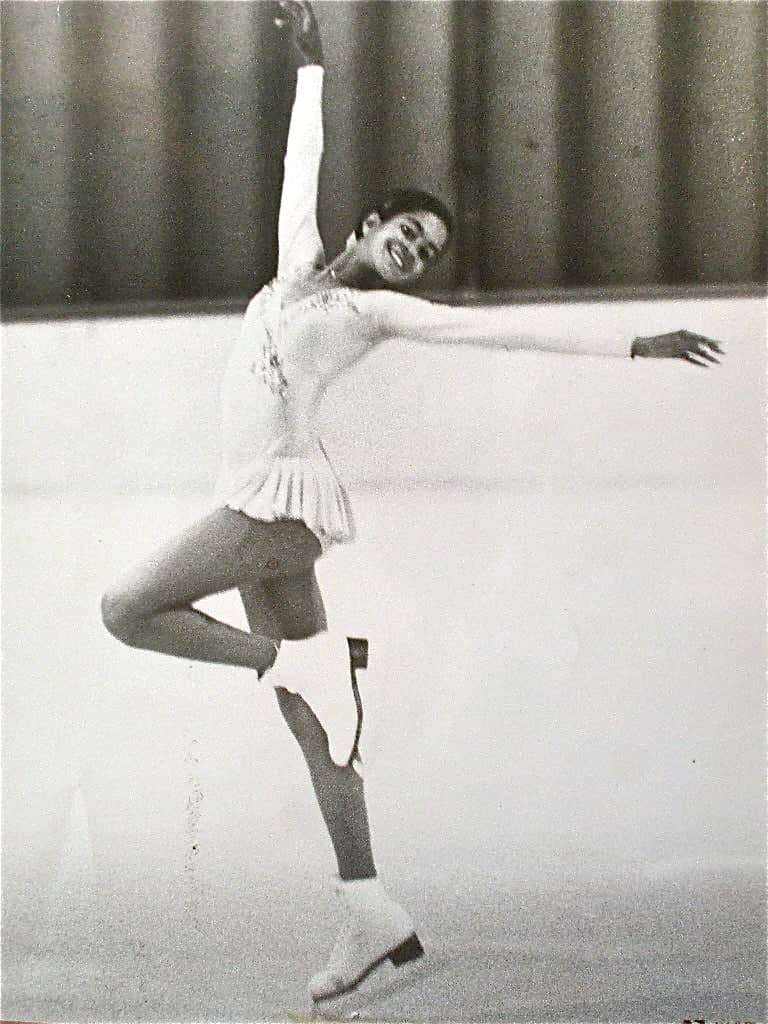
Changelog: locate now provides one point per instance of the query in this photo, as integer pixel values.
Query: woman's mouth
(400, 256)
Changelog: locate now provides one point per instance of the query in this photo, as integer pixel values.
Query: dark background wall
(579, 142)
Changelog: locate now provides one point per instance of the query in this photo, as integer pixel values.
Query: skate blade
(408, 951)
(379, 998)
(372, 999)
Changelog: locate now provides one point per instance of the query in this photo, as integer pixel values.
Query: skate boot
(376, 929)
(323, 671)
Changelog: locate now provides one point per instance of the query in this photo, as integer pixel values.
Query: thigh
(285, 607)
(220, 552)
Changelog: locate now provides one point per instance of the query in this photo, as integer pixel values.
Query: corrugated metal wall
(580, 142)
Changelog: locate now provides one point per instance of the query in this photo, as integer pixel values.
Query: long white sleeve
(500, 327)
(299, 241)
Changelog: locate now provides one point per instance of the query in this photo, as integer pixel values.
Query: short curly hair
(408, 200)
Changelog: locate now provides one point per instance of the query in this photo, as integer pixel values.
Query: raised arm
(504, 327)
(299, 242)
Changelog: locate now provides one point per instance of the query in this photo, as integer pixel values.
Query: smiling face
(402, 247)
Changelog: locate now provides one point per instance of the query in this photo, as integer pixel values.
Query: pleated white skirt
(303, 487)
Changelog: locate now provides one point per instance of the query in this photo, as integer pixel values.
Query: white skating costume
(295, 340)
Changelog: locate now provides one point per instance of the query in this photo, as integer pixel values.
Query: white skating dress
(295, 340)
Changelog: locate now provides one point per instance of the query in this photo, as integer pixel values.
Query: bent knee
(120, 616)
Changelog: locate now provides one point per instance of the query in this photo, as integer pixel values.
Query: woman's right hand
(300, 18)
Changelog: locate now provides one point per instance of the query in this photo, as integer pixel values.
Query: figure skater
(279, 504)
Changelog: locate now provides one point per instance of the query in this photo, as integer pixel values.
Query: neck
(348, 271)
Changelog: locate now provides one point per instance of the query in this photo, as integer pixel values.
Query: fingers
(296, 10)
(702, 344)
(289, 10)
(689, 357)
(714, 345)
(299, 16)
(704, 353)
(701, 350)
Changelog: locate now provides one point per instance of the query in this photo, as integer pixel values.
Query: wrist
(639, 347)
(307, 60)
(309, 49)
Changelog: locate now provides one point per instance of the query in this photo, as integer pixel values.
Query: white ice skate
(376, 929)
(323, 670)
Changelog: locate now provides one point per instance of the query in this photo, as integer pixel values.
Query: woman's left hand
(298, 14)
(693, 348)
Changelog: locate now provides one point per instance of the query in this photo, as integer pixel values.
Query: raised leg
(152, 607)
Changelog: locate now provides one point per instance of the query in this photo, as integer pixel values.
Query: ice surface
(565, 767)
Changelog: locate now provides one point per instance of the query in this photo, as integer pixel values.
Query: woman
(279, 505)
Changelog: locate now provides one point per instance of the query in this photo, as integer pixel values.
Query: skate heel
(410, 949)
(358, 652)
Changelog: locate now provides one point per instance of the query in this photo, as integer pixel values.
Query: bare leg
(375, 927)
(152, 607)
(189, 633)
(295, 608)
(339, 791)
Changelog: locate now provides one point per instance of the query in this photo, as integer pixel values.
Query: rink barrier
(514, 297)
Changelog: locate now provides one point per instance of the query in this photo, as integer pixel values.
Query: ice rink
(560, 568)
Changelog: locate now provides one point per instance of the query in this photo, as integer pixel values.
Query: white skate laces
(376, 929)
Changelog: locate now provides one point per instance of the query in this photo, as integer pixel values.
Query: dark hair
(408, 200)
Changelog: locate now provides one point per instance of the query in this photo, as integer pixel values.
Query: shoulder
(384, 304)
(396, 311)
(256, 303)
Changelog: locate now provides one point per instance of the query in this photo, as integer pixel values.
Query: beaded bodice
(293, 344)
(279, 316)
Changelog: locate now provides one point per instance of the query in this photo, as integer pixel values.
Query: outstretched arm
(504, 327)
(299, 242)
